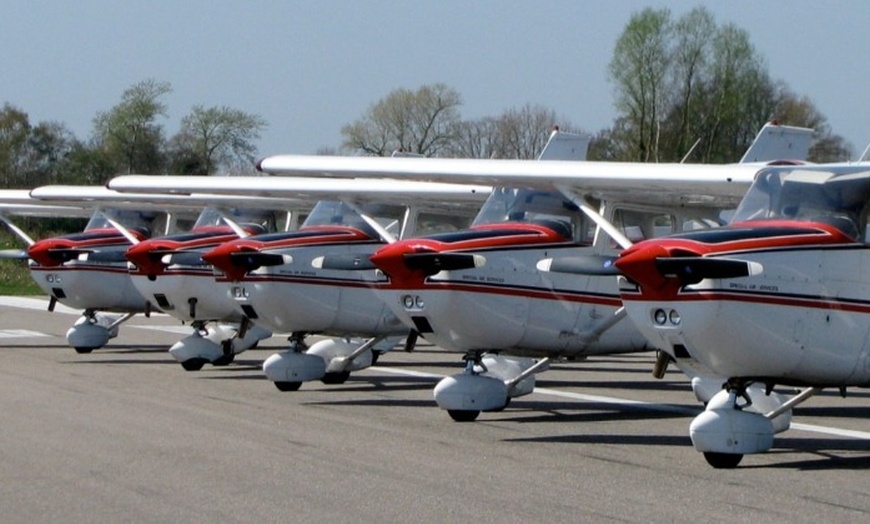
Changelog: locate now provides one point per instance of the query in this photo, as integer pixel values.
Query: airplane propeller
(580, 265)
(433, 263)
(344, 262)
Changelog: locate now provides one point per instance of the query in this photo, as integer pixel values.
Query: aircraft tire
(288, 386)
(83, 351)
(193, 364)
(224, 360)
(463, 415)
(723, 460)
(337, 377)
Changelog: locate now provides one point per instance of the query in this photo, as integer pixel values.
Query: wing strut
(237, 229)
(596, 217)
(120, 227)
(17, 230)
(386, 236)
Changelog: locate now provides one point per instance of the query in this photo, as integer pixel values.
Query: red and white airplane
(479, 291)
(169, 272)
(779, 297)
(269, 278)
(88, 270)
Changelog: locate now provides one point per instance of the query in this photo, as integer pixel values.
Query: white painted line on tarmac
(827, 430)
(37, 303)
(21, 333)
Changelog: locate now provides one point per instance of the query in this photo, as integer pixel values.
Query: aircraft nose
(226, 257)
(391, 259)
(51, 252)
(146, 256)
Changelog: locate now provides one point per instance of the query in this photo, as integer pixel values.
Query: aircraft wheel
(288, 386)
(506, 404)
(723, 460)
(83, 351)
(193, 364)
(463, 415)
(338, 377)
(224, 360)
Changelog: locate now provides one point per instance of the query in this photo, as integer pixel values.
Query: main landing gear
(216, 343)
(487, 384)
(330, 360)
(742, 419)
(94, 329)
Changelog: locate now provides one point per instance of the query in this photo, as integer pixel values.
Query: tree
(515, 134)
(719, 94)
(639, 68)
(129, 133)
(213, 137)
(422, 122)
(14, 130)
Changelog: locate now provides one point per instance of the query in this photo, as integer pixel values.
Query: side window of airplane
(639, 225)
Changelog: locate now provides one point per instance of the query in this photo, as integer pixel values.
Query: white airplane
(780, 297)
(169, 272)
(479, 291)
(270, 279)
(88, 270)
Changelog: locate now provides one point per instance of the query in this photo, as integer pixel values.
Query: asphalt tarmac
(125, 434)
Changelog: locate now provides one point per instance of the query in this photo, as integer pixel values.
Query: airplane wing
(18, 202)
(94, 196)
(424, 195)
(663, 184)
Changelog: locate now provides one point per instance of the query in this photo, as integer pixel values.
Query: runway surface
(125, 434)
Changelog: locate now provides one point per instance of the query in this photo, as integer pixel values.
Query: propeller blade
(691, 270)
(432, 263)
(344, 262)
(13, 254)
(106, 256)
(592, 265)
(252, 260)
(183, 257)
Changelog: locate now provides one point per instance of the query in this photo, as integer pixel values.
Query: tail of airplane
(565, 146)
(777, 142)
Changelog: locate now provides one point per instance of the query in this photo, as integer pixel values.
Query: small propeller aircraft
(88, 270)
(170, 272)
(777, 298)
(270, 279)
(478, 291)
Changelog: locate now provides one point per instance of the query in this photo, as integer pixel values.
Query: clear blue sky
(310, 67)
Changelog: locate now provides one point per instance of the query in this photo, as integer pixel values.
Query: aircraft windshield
(548, 208)
(811, 196)
(142, 221)
(329, 212)
(258, 218)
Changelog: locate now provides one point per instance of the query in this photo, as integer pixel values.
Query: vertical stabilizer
(565, 146)
(776, 142)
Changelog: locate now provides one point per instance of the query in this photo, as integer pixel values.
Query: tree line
(685, 88)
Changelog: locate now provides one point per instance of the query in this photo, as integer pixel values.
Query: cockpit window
(535, 206)
(809, 196)
(330, 212)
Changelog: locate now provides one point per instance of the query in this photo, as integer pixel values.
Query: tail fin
(565, 146)
(776, 142)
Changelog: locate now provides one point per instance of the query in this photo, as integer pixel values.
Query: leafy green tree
(14, 131)
(422, 122)
(639, 68)
(215, 137)
(129, 132)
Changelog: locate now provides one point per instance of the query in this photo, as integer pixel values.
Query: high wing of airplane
(284, 282)
(780, 297)
(258, 268)
(479, 291)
